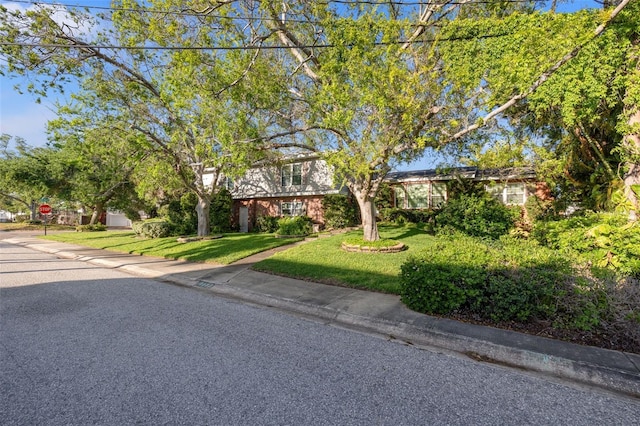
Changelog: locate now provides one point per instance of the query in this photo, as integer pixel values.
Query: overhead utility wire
(161, 12)
(247, 47)
(194, 13)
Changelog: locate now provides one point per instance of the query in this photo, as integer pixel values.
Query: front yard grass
(324, 261)
(226, 250)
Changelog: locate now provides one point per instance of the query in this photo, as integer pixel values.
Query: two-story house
(291, 188)
(298, 185)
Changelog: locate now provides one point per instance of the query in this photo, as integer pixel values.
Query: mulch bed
(614, 339)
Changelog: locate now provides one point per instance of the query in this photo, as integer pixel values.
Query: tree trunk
(367, 215)
(632, 178)
(34, 215)
(97, 213)
(202, 208)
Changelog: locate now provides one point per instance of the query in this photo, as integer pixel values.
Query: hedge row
(505, 280)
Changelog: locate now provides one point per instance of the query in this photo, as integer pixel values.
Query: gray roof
(511, 173)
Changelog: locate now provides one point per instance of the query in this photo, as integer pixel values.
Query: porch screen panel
(438, 194)
(418, 196)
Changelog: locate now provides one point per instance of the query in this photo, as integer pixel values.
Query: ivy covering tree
(395, 82)
(587, 110)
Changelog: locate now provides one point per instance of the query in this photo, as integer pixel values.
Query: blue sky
(21, 116)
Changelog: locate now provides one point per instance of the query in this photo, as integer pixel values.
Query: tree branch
(20, 200)
(543, 77)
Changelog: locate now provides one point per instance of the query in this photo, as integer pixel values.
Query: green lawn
(321, 260)
(226, 250)
(324, 261)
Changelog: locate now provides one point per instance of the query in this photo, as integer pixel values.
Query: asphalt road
(80, 345)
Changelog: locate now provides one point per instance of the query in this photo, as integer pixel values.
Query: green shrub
(504, 280)
(479, 216)
(91, 228)
(538, 208)
(268, 224)
(402, 216)
(443, 279)
(607, 240)
(220, 211)
(181, 215)
(152, 228)
(189, 222)
(297, 225)
(156, 229)
(137, 227)
(339, 211)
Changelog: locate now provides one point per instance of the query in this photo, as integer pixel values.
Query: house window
(421, 196)
(291, 208)
(291, 175)
(228, 184)
(496, 191)
(418, 196)
(515, 193)
(510, 193)
(438, 194)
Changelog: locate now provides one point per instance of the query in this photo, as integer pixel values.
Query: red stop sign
(45, 209)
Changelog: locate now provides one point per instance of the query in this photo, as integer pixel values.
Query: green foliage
(607, 240)
(385, 196)
(27, 173)
(442, 280)
(402, 216)
(294, 226)
(91, 228)
(339, 211)
(507, 280)
(479, 216)
(538, 208)
(459, 187)
(267, 224)
(136, 226)
(181, 214)
(220, 211)
(189, 223)
(152, 228)
(183, 222)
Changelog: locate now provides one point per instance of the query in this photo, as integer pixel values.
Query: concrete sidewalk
(371, 312)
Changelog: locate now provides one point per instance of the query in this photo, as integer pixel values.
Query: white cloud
(59, 14)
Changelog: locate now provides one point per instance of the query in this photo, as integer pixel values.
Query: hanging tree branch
(543, 77)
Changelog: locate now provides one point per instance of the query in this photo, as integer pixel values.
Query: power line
(326, 2)
(247, 47)
(160, 12)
